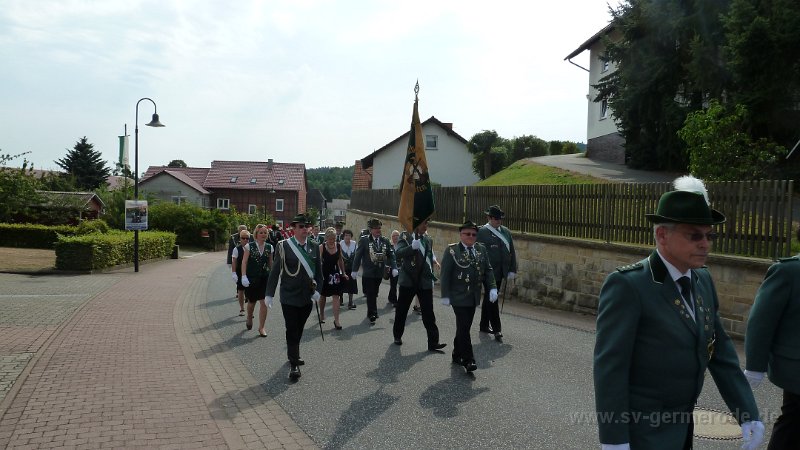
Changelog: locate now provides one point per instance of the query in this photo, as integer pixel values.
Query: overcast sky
(319, 82)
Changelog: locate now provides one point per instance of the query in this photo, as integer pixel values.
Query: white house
(177, 185)
(603, 140)
(449, 161)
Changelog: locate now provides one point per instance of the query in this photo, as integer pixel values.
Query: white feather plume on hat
(691, 184)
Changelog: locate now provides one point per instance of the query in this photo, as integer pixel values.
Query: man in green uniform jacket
(772, 344)
(297, 265)
(465, 268)
(415, 255)
(658, 330)
(376, 253)
(500, 246)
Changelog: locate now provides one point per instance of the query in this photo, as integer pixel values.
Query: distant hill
(334, 182)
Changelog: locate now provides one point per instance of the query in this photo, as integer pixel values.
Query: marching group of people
(658, 323)
(312, 270)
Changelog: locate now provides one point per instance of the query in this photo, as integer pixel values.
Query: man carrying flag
(415, 249)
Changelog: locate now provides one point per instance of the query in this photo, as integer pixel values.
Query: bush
(28, 235)
(93, 226)
(98, 250)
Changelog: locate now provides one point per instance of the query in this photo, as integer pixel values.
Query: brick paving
(131, 362)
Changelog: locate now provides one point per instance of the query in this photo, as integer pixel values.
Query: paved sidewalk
(138, 365)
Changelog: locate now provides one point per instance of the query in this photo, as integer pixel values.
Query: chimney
(269, 164)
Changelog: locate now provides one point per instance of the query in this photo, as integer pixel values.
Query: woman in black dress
(333, 275)
(350, 286)
(256, 263)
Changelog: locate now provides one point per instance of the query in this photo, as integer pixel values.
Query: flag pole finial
(416, 91)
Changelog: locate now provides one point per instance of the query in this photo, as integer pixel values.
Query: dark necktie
(686, 290)
(471, 252)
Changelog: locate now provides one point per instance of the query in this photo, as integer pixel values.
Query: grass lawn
(26, 259)
(528, 172)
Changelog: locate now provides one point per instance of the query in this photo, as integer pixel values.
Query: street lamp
(153, 123)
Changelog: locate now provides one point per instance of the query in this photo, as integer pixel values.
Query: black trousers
(428, 318)
(490, 312)
(393, 289)
(786, 432)
(295, 318)
(371, 287)
(462, 344)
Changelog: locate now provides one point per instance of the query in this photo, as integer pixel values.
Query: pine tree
(84, 164)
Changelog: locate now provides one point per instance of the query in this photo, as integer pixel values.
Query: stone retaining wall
(567, 273)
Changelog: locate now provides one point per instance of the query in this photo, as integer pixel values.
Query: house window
(281, 181)
(233, 179)
(279, 223)
(178, 199)
(603, 109)
(605, 64)
(252, 181)
(431, 142)
(278, 204)
(223, 203)
(251, 209)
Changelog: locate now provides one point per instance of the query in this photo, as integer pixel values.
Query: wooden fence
(759, 213)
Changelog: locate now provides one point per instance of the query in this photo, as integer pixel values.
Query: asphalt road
(359, 390)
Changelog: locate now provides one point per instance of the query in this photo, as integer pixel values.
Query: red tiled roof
(198, 174)
(256, 175)
(362, 179)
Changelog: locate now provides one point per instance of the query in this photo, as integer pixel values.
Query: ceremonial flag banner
(123, 152)
(416, 195)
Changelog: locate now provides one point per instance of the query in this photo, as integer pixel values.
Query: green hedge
(98, 251)
(27, 235)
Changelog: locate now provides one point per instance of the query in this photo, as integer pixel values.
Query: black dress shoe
(294, 373)
(301, 362)
(398, 342)
(470, 366)
(498, 337)
(436, 348)
(351, 306)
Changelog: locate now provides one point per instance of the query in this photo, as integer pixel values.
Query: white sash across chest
(499, 235)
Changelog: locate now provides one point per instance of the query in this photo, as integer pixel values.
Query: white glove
(315, 296)
(511, 275)
(354, 275)
(445, 301)
(245, 281)
(394, 273)
(754, 378)
(616, 446)
(415, 244)
(269, 301)
(752, 434)
(493, 295)
(235, 277)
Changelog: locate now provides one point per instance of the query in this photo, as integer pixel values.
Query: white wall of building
(167, 188)
(448, 165)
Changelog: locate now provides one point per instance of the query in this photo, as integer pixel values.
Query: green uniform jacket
(296, 285)
(415, 269)
(463, 277)
(502, 258)
(773, 340)
(376, 268)
(650, 357)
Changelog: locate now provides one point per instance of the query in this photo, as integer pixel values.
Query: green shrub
(100, 250)
(28, 235)
(93, 226)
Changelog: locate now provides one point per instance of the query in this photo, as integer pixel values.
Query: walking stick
(503, 301)
(319, 321)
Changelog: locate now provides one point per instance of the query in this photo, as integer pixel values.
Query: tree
(763, 56)
(526, 146)
(177, 163)
(498, 159)
(18, 189)
(717, 134)
(667, 65)
(83, 162)
(481, 145)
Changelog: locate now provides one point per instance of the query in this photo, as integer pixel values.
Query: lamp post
(153, 123)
